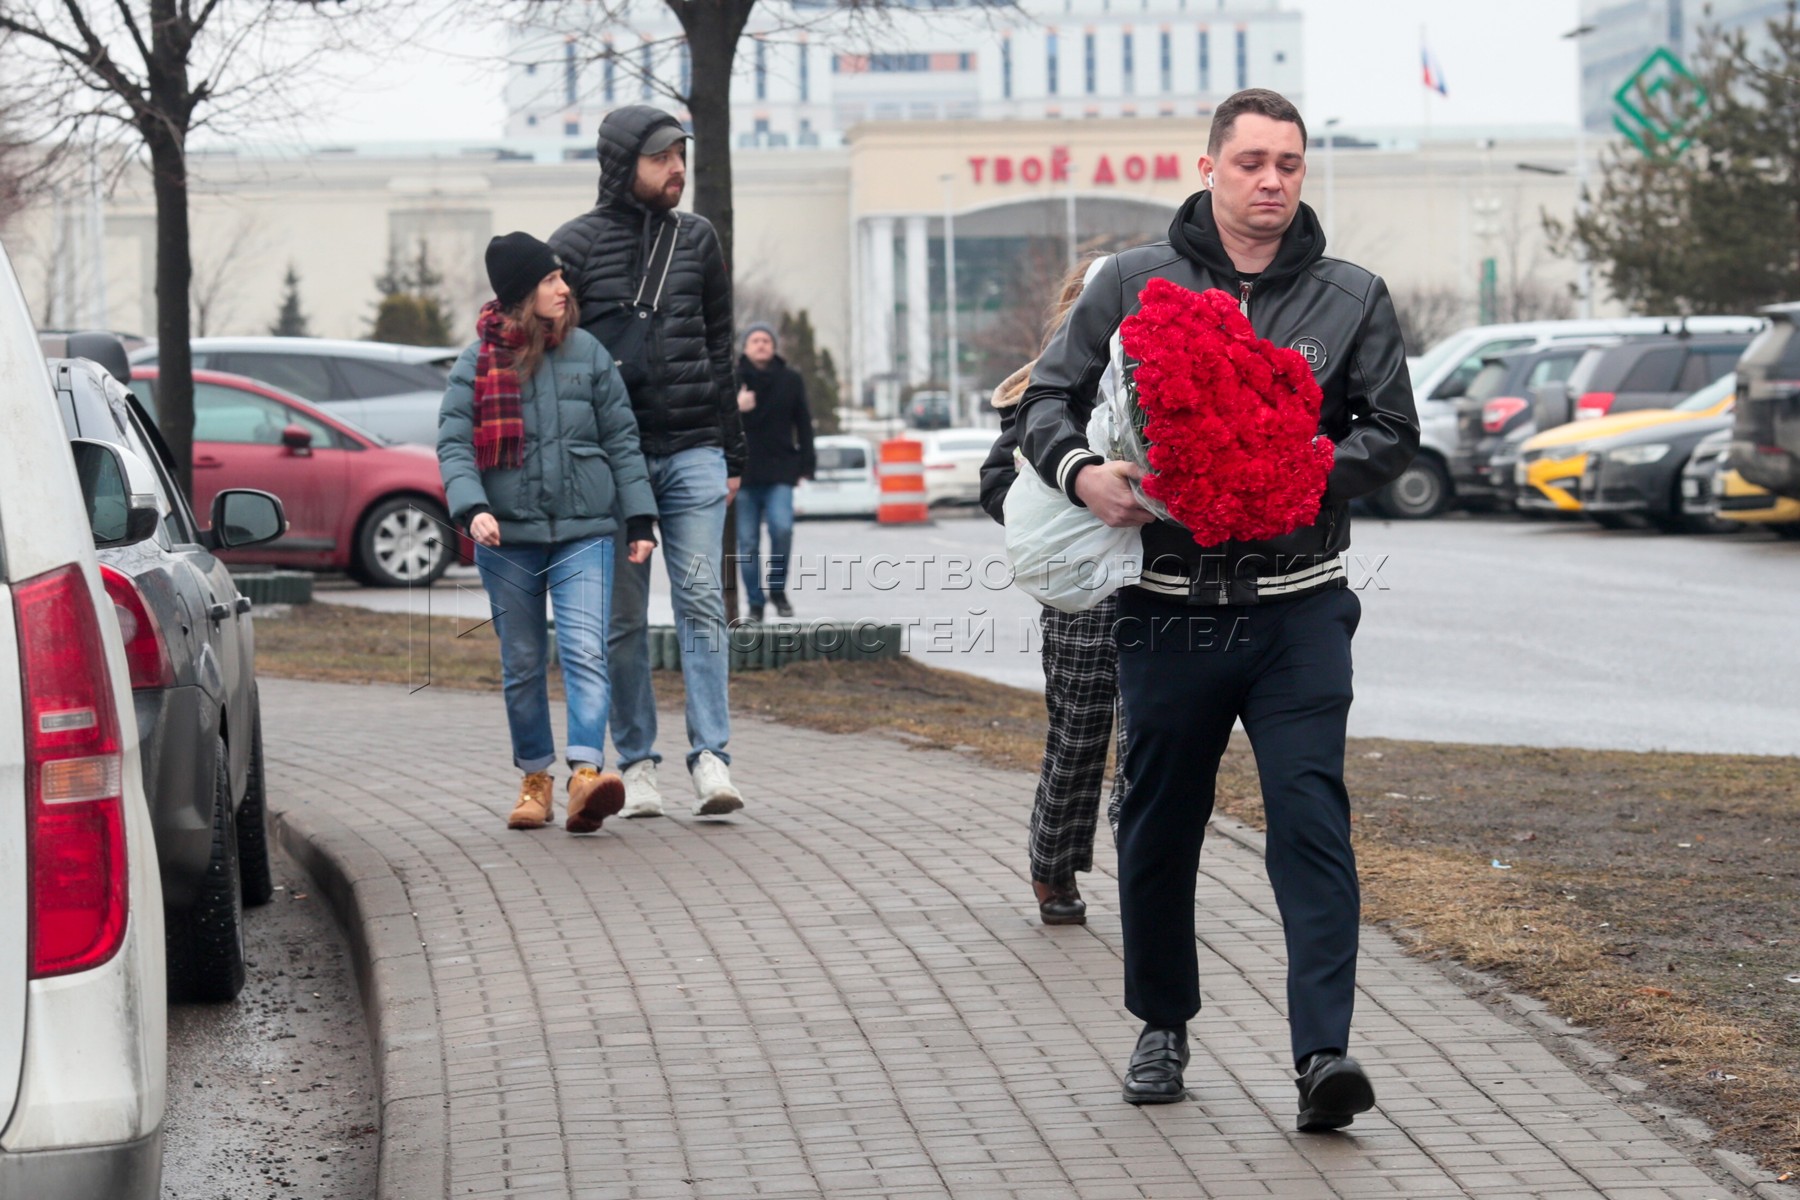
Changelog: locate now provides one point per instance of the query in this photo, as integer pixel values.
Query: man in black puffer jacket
(778, 427)
(680, 379)
(1258, 631)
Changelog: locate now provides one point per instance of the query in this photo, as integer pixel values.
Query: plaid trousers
(1081, 693)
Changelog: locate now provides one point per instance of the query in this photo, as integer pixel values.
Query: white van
(1442, 374)
(83, 1027)
(843, 483)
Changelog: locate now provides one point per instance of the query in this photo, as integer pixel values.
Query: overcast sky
(1362, 65)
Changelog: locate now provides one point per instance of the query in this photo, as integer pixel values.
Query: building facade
(1625, 33)
(807, 73)
(856, 235)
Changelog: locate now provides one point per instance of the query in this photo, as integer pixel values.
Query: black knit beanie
(516, 264)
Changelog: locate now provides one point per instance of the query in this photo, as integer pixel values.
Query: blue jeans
(690, 508)
(577, 576)
(757, 503)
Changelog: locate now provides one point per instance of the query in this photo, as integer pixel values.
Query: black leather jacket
(1334, 312)
(691, 399)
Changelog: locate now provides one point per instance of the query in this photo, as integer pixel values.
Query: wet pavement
(273, 1096)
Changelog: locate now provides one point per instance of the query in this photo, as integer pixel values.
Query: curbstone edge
(371, 906)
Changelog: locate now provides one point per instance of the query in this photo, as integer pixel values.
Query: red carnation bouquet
(1231, 420)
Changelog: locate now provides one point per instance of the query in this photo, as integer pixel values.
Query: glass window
(1205, 61)
(842, 458)
(1089, 66)
(368, 380)
(1243, 60)
(1166, 53)
(609, 75)
(1709, 395)
(762, 69)
(1006, 67)
(1130, 63)
(308, 376)
(1487, 382)
(177, 523)
(1654, 371)
(805, 72)
(1457, 382)
(231, 415)
(1050, 68)
(1553, 369)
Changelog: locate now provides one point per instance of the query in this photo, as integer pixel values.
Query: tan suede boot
(593, 797)
(536, 802)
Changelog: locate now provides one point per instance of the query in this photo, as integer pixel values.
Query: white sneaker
(641, 797)
(712, 784)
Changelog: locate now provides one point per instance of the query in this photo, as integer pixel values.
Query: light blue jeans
(757, 504)
(577, 576)
(690, 520)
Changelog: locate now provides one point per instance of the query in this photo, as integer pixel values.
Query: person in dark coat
(653, 281)
(778, 429)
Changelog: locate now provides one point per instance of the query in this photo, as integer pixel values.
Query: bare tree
(218, 273)
(143, 75)
(1427, 313)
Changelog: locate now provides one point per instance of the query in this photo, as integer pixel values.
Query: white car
(843, 482)
(953, 459)
(387, 389)
(83, 1023)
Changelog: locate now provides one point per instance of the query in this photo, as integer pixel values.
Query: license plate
(825, 485)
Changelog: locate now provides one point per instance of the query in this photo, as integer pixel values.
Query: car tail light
(146, 654)
(1594, 404)
(76, 842)
(1498, 411)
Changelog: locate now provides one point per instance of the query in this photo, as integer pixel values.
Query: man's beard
(660, 198)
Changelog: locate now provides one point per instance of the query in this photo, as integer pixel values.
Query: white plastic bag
(1063, 555)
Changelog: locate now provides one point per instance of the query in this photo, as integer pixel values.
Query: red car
(354, 503)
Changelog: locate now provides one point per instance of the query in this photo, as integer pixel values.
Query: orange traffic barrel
(902, 483)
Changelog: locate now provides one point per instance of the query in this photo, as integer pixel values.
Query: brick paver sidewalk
(844, 993)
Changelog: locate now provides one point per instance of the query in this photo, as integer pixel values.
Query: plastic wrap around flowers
(1231, 418)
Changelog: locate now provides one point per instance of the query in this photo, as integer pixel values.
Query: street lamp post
(1331, 180)
(950, 291)
(1586, 307)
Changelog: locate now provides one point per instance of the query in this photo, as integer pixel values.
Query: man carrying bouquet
(1244, 609)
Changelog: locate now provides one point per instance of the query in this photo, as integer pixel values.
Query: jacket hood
(1195, 236)
(622, 136)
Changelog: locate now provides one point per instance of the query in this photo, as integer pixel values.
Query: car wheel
(258, 881)
(1421, 491)
(206, 942)
(1791, 532)
(403, 541)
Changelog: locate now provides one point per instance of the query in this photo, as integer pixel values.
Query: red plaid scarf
(499, 415)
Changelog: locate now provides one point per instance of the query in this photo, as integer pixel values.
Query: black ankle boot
(1060, 903)
(782, 607)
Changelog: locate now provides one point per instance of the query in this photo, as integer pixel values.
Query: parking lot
(1475, 628)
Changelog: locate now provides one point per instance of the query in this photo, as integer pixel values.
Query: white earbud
(1212, 181)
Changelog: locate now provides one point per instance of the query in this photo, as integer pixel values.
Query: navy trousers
(1186, 674)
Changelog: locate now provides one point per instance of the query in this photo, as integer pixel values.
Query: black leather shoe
(782, 607)
(1060, 903)
(1333, 1089)
(756, 613)
(1154, 1076)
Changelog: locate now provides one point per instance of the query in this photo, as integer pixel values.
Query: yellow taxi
(1740, 500)
(1548, 473)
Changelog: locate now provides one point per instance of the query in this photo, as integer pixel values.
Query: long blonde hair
(541, 336)
(1066, 296)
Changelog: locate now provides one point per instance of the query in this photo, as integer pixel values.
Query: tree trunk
(174, 358)
(713, 28)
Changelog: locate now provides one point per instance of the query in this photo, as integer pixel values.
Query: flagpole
(1425, 148)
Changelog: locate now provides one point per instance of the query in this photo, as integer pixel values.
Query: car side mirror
(244, 517)
(297, 438)
(118, 491)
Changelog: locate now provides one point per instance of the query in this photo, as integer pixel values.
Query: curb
(371, 907)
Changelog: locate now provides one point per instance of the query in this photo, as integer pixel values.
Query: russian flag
(1434, 72)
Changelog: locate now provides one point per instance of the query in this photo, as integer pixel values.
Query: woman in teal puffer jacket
(538, 448)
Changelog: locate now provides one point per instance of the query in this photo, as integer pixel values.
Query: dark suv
(1501, 398)
(190, 647)
(1765, 436)
(1651, 373)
